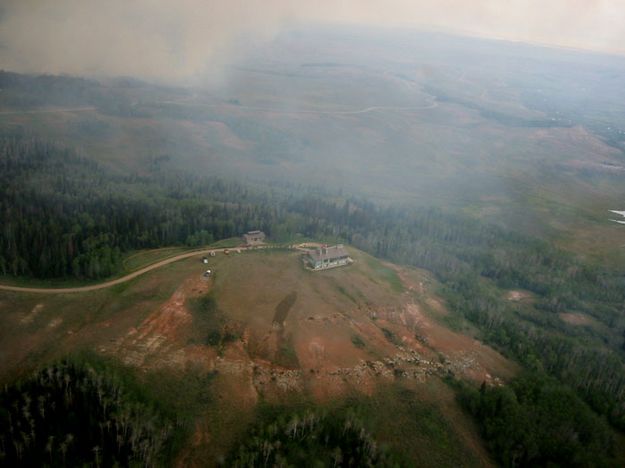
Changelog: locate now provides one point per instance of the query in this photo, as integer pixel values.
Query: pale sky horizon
(179, 39)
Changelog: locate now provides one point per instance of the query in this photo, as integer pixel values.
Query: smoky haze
(183, 40)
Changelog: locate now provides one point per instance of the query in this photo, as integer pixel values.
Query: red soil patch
(228, 137)
(159, 339)
(575, 318)
(518, 296)
(471, 357)
(468, 356)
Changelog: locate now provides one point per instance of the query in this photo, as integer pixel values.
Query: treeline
(76, 414)
(63, 215)
(536, 421)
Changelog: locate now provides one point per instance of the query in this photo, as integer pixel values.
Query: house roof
(255, 233)
(329, 253)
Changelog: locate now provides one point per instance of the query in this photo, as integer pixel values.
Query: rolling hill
(265, 331)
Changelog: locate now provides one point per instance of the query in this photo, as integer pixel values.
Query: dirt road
(121, 280)
(269, 110)
(283, 111)
(366, 110)
(48, 111)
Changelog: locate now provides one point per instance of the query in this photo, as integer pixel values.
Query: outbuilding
(254, 238)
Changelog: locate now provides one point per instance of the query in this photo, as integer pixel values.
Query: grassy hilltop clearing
(265, 336)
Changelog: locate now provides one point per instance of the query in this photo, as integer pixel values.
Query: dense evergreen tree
(311, 439)
(535, 421)
(77, 415)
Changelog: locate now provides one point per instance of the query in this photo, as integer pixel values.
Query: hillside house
(254, 238)
(328, 257)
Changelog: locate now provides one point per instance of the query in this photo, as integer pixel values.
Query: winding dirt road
(268, 110)
(365, 110)
(123, 279)
(49, 111)
(284, 111)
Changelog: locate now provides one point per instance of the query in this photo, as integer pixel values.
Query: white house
(328, 257)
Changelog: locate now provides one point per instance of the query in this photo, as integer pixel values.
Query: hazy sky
(180, 39)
